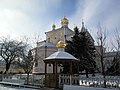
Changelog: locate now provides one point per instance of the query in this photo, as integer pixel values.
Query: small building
(56, 60)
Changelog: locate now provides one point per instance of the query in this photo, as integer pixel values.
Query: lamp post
(45, 49)
(65, 34)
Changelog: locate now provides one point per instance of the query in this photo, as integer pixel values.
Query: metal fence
(66, 79)
(111, 81)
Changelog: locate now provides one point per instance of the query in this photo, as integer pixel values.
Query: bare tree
(10, 50)
(36, 40)
(28, 58)
(101, 41)
(26, 62)
(116, 45)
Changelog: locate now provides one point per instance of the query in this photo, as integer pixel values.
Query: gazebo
(55, 60)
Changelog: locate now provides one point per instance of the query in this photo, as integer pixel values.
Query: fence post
(70, 80)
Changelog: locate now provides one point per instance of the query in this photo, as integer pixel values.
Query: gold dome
(64, 21)
(61, 44)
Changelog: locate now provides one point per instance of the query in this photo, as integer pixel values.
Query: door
(51, 80)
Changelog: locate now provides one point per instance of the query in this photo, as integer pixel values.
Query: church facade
(48, 46)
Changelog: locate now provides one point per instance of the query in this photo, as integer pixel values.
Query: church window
(55, 37)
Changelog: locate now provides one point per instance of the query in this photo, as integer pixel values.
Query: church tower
(64, 22)
(83, 29)
(59, 34)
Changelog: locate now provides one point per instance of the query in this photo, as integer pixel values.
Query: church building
(48, 46)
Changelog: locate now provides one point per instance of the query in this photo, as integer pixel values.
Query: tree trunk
(93, 73)
(103, 72)
(104, 76)
(27, 79)
(102, 64)
(86, 72)
(7, 68)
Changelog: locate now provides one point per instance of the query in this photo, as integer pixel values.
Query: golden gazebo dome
(64, 21)
(61, 44)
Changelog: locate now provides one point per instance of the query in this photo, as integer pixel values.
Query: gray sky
(35, 17)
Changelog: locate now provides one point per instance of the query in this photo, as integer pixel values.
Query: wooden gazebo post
(71, 73)
(56, 74)
(45, 68)
(45, 72)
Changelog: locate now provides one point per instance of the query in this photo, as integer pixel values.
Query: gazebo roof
(61, 55)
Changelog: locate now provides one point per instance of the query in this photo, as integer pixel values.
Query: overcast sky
(35, 17)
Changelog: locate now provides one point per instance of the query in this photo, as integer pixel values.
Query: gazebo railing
(69, 79)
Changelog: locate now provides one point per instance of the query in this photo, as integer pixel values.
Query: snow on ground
(14, 88)
(71, 87)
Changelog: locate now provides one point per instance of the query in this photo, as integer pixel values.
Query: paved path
(72, 87)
